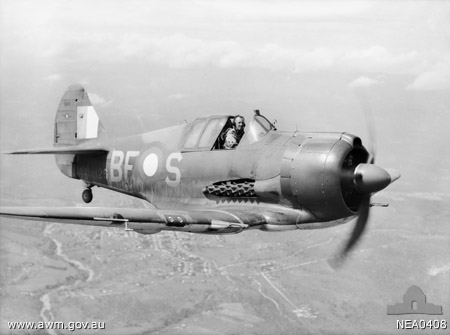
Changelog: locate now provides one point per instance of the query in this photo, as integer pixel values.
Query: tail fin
(76, 125)
(76, 121)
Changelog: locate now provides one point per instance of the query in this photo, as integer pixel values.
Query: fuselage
(300, 171)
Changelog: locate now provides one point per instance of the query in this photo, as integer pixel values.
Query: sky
(409, 37)
(400, 37)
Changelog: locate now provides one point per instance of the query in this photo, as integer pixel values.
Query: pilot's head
(239, 122)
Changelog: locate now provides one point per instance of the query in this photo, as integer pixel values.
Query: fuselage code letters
(122, 165)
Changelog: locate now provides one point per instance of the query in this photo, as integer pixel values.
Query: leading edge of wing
(146, 221)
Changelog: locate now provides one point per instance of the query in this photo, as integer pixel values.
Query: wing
(145, 221)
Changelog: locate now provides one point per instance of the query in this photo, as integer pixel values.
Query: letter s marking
(173, 169)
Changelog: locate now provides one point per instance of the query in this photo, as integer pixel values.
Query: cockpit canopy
(208, 133)
(257, 129)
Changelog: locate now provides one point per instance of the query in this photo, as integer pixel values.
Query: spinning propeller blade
(360, 226)
(367, 179)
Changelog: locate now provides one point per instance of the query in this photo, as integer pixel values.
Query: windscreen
(257, 129)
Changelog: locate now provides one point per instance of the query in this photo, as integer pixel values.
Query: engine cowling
(321, 175)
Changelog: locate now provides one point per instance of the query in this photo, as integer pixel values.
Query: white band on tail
(87, 122)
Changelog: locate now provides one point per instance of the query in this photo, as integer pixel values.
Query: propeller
(360, 226)
(367, 178)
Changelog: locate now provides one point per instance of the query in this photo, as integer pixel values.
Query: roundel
(150, 165)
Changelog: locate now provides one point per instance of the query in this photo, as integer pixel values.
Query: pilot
(233, 135)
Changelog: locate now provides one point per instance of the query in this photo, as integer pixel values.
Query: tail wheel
(87, 195)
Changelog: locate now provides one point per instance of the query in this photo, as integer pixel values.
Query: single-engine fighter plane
(272, 180)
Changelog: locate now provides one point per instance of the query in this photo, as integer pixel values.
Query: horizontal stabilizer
(66, 150)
